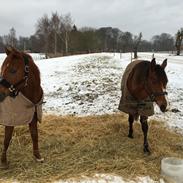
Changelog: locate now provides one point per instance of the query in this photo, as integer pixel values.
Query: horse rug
(128, 103)
(19, 110)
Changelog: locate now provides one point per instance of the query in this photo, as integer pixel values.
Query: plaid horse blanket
(19, 110)
(128, 103)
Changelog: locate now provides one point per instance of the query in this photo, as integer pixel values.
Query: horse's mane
(35, 68)
(141, 70)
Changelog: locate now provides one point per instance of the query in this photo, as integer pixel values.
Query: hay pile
(75, 146)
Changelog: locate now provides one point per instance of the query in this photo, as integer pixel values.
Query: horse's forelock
(11, 57)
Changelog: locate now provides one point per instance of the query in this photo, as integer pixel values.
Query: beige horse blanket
(128, 103)
(19, 110)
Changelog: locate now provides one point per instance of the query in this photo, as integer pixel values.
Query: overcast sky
(147, 16)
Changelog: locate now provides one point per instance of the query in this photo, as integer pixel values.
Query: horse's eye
(12, 71)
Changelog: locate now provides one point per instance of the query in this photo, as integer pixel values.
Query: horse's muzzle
(2, 96)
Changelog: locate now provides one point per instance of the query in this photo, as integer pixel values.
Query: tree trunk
(66, 42)
(179, 42)
(178, 50)
(55, 43)
(135, 54)
(46, 46)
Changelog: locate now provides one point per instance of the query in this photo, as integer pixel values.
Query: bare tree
(43, 31)
(55, 27)
(178, 43)
(66, 27)
(12, 36)
(136, 43)
(10, 39)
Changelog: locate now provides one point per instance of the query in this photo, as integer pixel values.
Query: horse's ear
(15, 51)
(164, 64)
(153, 64)
(12, 50)
(8, 50)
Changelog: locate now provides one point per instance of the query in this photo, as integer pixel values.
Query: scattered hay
(77, 146)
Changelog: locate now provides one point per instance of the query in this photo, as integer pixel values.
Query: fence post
(120, 54)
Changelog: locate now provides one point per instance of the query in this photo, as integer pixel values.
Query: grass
(77, 146)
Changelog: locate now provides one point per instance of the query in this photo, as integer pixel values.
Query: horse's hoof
(4, 166)
(130, 136)
(147, 151)
(39, 160)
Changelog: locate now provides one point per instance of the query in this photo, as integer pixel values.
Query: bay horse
(19, 73)
(143, 83)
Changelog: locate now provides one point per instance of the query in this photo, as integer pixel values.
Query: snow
(90, 85)
(81, 85)
(102, 178)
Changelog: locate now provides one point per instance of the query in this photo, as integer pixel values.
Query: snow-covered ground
(102, 178)
(81, 85)
(90, 85)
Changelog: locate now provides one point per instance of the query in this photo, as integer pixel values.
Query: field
(83, 135)
(74, 147)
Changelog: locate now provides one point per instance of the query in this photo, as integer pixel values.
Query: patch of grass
(76, 146)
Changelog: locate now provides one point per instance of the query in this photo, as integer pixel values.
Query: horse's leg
(34, 136)
(144, 124)
(7, 139)
(130, 120)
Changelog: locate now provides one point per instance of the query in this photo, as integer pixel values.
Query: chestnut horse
(20, 74)
(147, 80)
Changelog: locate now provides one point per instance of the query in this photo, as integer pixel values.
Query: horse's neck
(136, 83)
(35, 95)
(33, 91)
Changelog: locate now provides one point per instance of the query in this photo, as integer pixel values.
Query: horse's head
(157, 81)
(13, 73)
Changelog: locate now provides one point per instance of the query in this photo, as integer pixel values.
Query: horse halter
(13, 87)
(153, 95)
(157, 94)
